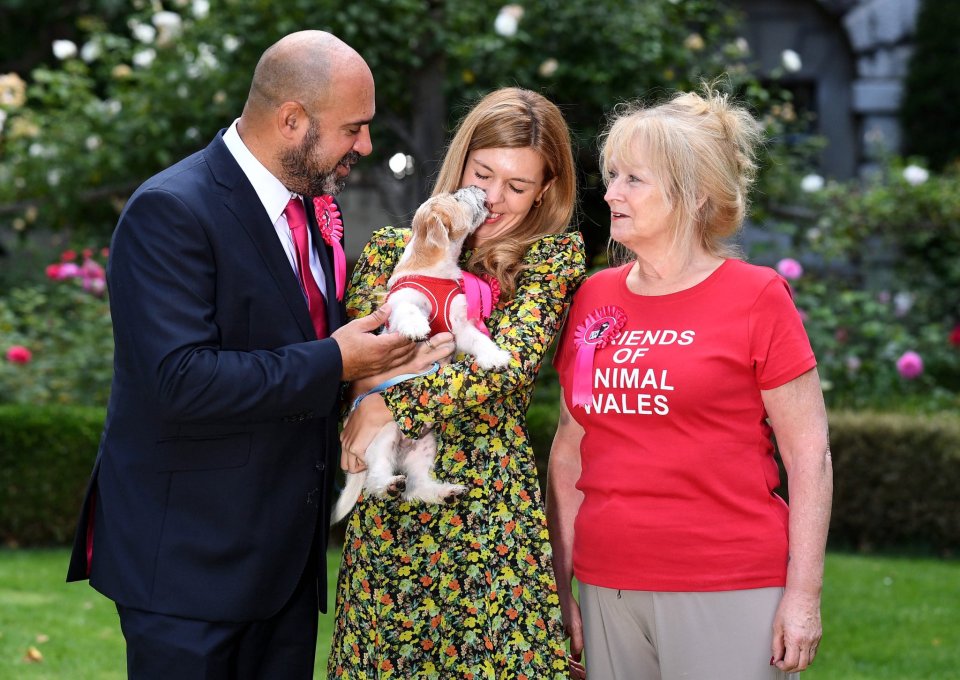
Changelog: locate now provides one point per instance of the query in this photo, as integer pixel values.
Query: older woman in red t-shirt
(676, 369)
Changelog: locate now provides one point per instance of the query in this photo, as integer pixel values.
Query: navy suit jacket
(215, 467)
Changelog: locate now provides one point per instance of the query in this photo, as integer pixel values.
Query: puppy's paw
(411, 326)
(391, 486)
(435, 492)
(493, 357)
(397, 486)
(456, 490)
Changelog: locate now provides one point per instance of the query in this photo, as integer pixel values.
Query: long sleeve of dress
(525, 326)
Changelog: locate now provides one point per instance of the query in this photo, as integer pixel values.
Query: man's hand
(365, 353)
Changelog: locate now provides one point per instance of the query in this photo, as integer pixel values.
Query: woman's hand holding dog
(359, 429)
(363, 424)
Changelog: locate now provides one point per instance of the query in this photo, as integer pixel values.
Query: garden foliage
(881, 267)
(121, 103)
(895, 476)
(57, 339)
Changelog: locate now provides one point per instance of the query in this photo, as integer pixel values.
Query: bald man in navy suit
(207, 511)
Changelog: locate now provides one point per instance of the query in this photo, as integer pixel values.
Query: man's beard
(302, 175)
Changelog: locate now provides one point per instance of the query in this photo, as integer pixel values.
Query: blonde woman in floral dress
(467, 590)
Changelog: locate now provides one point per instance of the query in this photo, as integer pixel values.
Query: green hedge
(896, 481)
(896, 477)
(46, 454)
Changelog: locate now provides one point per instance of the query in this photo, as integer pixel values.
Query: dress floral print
(465, 590)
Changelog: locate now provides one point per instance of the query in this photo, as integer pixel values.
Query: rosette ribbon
(331, 229)
(596, 331)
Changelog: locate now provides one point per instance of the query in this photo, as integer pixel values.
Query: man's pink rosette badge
(599, 329)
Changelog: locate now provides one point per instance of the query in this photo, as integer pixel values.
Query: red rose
(955, 336)
(53, 271)
(68, 255)
(18, 354)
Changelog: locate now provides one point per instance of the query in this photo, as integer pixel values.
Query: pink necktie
(297, 219)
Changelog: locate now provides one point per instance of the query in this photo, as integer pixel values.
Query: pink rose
(18, 354)
(789, 268)
(91, 269)
(95, 286)
(53, 271)
(910, 365)
(68, 270)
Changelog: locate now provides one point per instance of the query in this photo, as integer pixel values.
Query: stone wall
(881, 34)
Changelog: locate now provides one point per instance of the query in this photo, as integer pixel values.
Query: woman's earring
(537, 203)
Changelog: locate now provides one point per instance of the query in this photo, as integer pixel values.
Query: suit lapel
(243, 202)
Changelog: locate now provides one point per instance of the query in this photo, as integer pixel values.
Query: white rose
(548, 67)
(144, 58)
(90, 51)
(505, 25)
(145, 33)
(811, 183)
(915, 175)
(201, 8)
(64, 49)
(791, 61)
(169, 24)
(231, 43)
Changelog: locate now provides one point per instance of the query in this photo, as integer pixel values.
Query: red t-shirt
(678, 468)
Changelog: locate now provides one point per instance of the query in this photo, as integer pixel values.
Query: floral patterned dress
(465, 590)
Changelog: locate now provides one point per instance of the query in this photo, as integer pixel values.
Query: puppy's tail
(349, 496)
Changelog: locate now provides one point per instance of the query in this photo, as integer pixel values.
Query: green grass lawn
(884, 618)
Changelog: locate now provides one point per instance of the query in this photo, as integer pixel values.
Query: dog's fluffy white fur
(396, 464)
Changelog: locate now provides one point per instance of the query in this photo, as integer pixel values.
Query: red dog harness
(481, 297)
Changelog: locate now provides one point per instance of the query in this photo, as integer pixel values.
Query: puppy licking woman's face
(512, 179)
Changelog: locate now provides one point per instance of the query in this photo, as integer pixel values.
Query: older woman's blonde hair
(514, 118)
(702, 151)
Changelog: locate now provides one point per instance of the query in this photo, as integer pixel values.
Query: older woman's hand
(573, 628)
(796, 631)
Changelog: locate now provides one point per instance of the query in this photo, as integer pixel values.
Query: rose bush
(56, 336)
(881, 267)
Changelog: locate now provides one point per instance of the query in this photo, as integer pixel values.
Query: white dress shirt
(274, 197)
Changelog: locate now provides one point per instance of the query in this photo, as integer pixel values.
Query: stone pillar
(880, 33)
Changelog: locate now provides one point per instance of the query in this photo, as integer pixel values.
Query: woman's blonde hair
(702, 150)
(514, 118)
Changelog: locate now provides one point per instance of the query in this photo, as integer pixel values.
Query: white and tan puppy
(426, 297)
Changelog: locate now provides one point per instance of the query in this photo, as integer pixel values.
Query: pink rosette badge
(596, 331)
(331, 229)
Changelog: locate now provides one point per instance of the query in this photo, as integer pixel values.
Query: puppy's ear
(429, 236)
(438, 235)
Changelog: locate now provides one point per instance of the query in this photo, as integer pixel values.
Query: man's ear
(292, 121)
